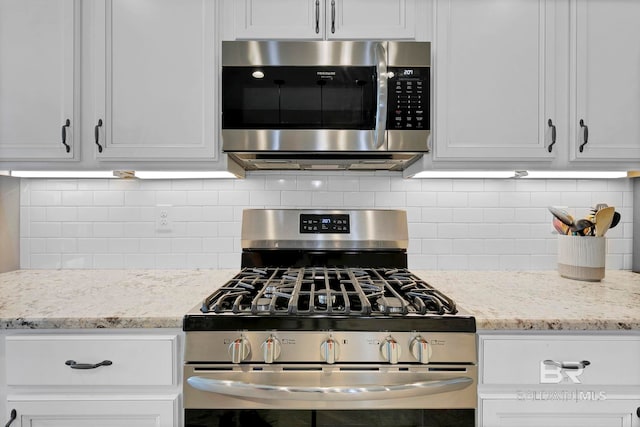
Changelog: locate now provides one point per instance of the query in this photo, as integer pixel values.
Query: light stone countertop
(536, 300)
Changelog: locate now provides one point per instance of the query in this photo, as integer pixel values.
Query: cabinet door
(279, 19)
(494, 79)
(370, 19)
(56, 412)
(606, 74)
(155, 79)
(38, 79)
(570, 413)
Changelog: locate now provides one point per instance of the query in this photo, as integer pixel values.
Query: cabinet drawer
(613, 360)
(135, 360)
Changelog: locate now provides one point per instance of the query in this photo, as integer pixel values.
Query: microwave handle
(381, 106)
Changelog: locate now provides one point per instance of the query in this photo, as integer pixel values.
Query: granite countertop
(537, 300)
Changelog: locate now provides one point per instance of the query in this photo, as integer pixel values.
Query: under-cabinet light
(465, 174)
(63, 174)
(183, 174)
(574, 174)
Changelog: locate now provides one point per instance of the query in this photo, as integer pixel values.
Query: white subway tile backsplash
(327, 199)
(108, 198)
(453, 224)
(46, 198)
(76, 198)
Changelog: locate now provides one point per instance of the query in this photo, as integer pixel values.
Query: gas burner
(323, 295)
(391, 305)
(328, 291)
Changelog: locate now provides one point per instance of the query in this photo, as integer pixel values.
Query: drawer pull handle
(12, 418)
(74, 365)
(568, 365)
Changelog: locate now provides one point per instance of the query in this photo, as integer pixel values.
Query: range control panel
(408, 98)
(326, 223)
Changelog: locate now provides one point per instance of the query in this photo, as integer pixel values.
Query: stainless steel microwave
(325, 104)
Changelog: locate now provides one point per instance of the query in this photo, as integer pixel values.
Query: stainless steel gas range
(325, 326)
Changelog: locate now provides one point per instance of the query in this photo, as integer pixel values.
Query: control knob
(271, 349)
(420, 349)
(390, 350)
(239, 350)
(329, 350)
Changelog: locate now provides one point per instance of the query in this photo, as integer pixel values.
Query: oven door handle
(381, 106)
(354, 392)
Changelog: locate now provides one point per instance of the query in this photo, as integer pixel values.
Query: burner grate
(330, 291)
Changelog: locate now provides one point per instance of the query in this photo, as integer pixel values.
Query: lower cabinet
(572, 412)
(82, 378)
(559, 379)
(95, 411)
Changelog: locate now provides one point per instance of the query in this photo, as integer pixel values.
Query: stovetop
(327, 291)
(327, 298)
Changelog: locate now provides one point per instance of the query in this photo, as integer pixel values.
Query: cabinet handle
(97, 135)
(585, 135)
(568, 365)
(12, 418)
(317, 16)
(333, 16)
(553, 135)
(74, 365)
(66, 124)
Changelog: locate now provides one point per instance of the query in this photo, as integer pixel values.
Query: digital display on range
(327, 223)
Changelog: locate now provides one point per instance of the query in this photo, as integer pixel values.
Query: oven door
(321, 395)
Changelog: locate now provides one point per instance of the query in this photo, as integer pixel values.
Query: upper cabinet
(605, 80)
(39, 66)
(324, 19)
(537, 82)
(155, 79)
(494, 79)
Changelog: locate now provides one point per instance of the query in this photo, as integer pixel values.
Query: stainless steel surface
(381, 106)
(355, 346)
(324, 387)
(280, 229)
(309, 53)
(287, 334)
(328, 149)
(353, 392)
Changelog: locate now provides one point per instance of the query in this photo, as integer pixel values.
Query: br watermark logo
(552, 372)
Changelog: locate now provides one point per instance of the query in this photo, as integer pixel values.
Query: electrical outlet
(163, 218)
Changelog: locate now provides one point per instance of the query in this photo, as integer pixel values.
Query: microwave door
(301, 108)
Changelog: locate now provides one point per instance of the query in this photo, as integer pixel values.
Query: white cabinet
(504, 69)
(325, 19)
(521, 413)
(99, 378)
(605, 78)
(155, 79)
(80, 411)
(39, 86)
(559, 379)
(494, 79)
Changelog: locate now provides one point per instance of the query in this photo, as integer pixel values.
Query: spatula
(603, 219)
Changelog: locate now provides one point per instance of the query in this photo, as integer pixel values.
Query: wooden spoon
(603, 220)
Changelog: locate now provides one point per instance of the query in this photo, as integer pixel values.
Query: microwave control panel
(408, 98)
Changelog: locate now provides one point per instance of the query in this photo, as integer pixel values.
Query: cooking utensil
(603, 220)
(582, 227)
(562, 215)
(616, 219)
(560, 226)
